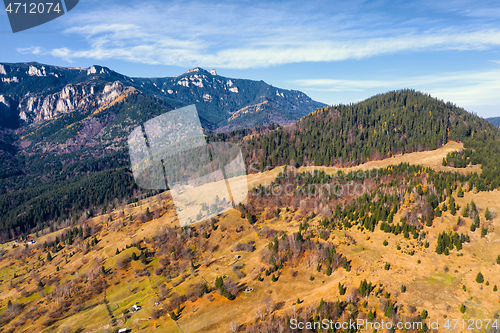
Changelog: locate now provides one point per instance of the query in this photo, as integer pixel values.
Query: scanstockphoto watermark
(170, 151)
(26, 14)
(338, 183)
(337, 189)
(206, 179)
(358, 324)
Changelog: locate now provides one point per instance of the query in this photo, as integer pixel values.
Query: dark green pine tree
(451, 203)
(487, 215)
(341, 289)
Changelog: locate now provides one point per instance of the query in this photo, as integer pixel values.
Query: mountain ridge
(36, 92)
(42, 179)
(494, 120)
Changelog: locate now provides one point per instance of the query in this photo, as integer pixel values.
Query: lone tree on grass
(479, 278)
(487, 215)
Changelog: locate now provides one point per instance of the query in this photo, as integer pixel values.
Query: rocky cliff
(35, 93)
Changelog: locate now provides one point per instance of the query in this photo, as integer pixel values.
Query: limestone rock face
(38, 108)
(5, 111)
(35, 93)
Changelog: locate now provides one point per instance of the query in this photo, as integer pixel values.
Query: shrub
(385, 243)
(251, 218)
(479, 278)
(424, 314)
(462, 308)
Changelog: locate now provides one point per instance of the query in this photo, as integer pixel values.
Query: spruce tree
(451, 203)
(479, 278)
(371, 316)
(341, 289)
(438, 212)
(465, 212)
(487, 215)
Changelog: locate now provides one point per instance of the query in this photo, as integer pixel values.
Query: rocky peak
(4, 107)
(34, 71)
(3, 70)
(98, 70)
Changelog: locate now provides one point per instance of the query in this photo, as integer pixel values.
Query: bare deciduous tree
(260, 313)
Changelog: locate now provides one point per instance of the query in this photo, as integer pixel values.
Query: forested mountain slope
(494, 120)
(45, 182)
(397, 122)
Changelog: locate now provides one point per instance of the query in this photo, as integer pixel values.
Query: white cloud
(479, 91)
(231, 35)
(36, 50)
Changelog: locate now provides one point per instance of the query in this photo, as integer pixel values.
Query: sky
(334, 51)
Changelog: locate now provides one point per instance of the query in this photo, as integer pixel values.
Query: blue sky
(335, 51)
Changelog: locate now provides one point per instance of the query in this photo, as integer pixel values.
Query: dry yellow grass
(431, 158)
(433, 284)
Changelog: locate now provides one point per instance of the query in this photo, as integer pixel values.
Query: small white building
(134, 308)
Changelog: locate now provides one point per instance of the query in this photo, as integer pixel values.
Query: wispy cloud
(232, 35)
(467, 89)
(36, 50)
